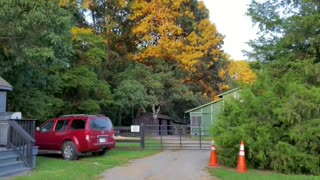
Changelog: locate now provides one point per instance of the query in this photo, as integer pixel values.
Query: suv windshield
(101, 124)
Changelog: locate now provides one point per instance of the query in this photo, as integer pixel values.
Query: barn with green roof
(202, 118)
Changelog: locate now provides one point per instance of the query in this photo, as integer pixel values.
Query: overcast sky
(231, 21)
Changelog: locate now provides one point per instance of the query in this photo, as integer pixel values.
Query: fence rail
(28, 125)
(21, 142)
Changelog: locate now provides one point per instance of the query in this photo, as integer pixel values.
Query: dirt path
(167, 165)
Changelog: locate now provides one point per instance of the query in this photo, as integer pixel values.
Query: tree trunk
(119, 117)
(93, 20)
(155, 111)
(138, 114)
(132, 116)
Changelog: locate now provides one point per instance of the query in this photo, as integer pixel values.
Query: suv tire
(69, 151)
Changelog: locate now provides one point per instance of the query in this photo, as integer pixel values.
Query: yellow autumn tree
(156, 29)
(241, 72)
(195, 47)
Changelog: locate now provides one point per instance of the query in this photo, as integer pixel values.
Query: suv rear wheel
(69, 151)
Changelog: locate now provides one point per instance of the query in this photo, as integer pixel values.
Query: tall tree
(155, 90)
(83, 90)
(34, 46)
(241, 72)
(279, 116)
(161, 34)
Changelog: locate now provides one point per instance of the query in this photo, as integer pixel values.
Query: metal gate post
(161, 137)
(200, 134)
(142, 136)
(180, 133)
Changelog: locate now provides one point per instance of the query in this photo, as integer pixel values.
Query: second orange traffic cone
(242, 166)
(213, 156)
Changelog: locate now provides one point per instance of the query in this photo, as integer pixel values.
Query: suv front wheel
(69, 151)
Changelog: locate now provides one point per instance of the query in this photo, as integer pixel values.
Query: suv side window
(62, 125)
(47, 127)
(78, 124)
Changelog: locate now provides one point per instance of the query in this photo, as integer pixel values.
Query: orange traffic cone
(242, 167)
(213, 156)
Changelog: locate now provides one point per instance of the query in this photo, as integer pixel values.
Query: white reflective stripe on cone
(241, 153)
(213, 148)
(241, 147)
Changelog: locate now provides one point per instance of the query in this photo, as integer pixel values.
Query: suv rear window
(101, 124)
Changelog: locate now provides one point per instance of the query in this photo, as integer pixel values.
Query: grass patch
(203, 138)
(89, 167)
(128, 144)
(229, 174)
(150, 144)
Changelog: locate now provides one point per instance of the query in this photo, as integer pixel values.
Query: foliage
(241, 72)
(84, 91)
(269, 124)
(144, 89)
(162, 34)
(35, 44)
(112, 57)
(279, 115)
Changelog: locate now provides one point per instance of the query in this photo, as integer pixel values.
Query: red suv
(72, 135)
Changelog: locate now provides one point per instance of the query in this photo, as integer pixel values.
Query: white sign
(135, 128)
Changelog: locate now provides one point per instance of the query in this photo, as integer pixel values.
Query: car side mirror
(37, 128)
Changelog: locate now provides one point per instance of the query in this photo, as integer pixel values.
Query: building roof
(228, 92)
(4, 85)
(212, 102)
(162, 117)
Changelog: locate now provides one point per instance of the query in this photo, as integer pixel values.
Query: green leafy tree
(84, 91)
(132, 94)
(279, 115)
(160, 89)
(34, 46)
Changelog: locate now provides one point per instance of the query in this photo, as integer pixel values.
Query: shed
(4, 88)
(202, 118)
(162, 125)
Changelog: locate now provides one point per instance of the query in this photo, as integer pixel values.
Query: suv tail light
(87, 136)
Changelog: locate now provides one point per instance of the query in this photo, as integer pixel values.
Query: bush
(281, 129)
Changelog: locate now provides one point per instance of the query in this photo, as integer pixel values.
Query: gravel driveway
(167, 165)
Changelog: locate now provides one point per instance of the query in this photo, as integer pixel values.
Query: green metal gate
(164, 137)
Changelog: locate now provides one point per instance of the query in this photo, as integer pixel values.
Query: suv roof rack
(76, 115)
(73, 115)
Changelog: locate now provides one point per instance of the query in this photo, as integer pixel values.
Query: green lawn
(229, 174)
(150, 144)
(203, 138)
(89, 167)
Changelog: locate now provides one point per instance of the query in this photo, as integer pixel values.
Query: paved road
(167, 165)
